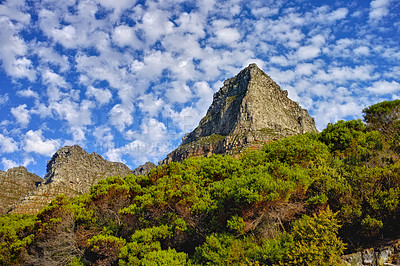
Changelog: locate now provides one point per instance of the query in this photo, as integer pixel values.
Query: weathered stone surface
(144, 169)
(15, 184)
(71, 171)
(249, 110)
(388, 254)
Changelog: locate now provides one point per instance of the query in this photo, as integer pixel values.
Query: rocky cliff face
(249, 110)
(15, 184)
(144, 169)
(71, 171)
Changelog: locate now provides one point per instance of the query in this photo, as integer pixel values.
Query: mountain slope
(15, 184)
(71, 171)
(249, 110)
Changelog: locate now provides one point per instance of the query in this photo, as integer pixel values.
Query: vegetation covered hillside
(302, 200)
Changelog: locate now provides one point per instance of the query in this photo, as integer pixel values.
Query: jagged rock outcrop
(249, 110)
(71, 171)
(15, 184)
(388, 254)
(144, 169)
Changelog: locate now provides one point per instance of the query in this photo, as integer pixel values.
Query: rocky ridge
(71, 171)
(249, 110)
(15, 184)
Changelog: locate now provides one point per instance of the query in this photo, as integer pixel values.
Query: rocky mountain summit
(16, 183)
(249, 110)
(71, 171)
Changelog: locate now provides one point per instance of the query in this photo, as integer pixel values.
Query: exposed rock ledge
(71, 171)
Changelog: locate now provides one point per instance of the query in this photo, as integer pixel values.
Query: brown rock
(144, 169)
(15, 184)
(249, 110)
(71, 171)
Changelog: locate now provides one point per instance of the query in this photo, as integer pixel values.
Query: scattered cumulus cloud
(8, 164)
(28, 93)
(36, 143)
(7, 144)
(102, 96)
(384, 87)
(21, 114)
(378, 9)
(120, 117)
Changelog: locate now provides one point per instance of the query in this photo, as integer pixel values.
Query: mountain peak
(70, 171)
(250, 108)
(251, 101)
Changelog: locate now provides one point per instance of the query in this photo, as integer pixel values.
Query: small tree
(384, 117)
(316, 241)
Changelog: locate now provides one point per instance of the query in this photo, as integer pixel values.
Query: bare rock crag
(249, 110)
(71, 171)
(15, 184)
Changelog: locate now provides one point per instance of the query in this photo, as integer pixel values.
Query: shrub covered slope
(303, 200)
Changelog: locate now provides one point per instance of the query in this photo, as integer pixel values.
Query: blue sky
(128, 79)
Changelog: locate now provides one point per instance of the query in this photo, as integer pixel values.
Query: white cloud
(21, 114)
(155, 24)
(104, 137)
(28, 93)
(206, 5)
(225, 33)
(49, 57)
(362, 51)
(150, 142)
(378, 9)
(340, 75)
(8, 164)
(120, 116)
(151, 104)
(125, 36)
(7, 144)
(11, 9)
(78, 136)
(265, 11)
(338, 14)
(192, 23)
(179, 93)
(77, 114)
(228, 35)
(118, 6)
(53, 79)
(203, 90)
(186, 119)
(28, 160)
(305, 69)
(35, 142)
(384, 87)
(334, 110)
(308, 52)
(102, 96)
(4, 99)
(14, 50)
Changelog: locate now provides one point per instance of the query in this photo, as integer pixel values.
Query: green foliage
(304, 150)
(236, 224)
(316, 241)
(106, 247)
(15, 237)
(76, 262)
(383, 116)
(146, 246)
